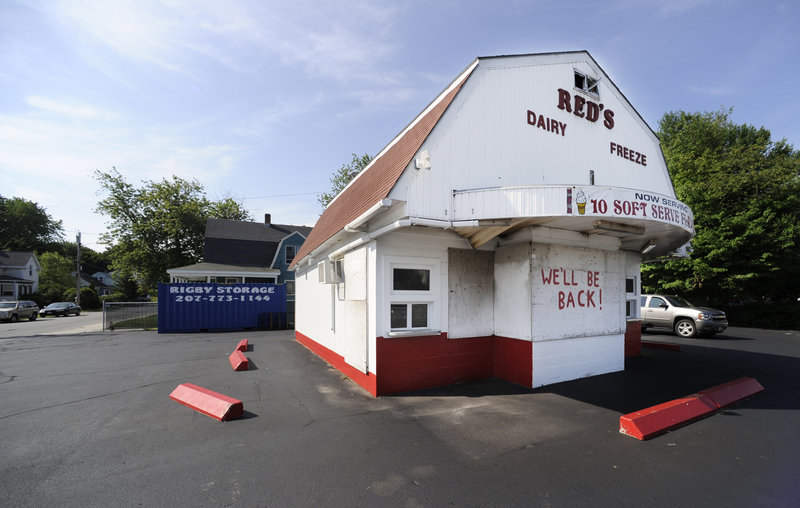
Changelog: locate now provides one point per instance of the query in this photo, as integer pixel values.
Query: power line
(284, 195)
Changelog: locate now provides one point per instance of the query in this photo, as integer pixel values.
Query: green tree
(127, 289)
(24, 225)
(744, 190)
(91, 260)
(159, 225)
(342, 177)
(56, 273)
(89, 299)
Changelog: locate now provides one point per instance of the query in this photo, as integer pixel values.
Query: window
(289, 287)
(411, 279)
(632, 306)
(289, 254)
(401, 317)
(226, 280)
(656, 303)
(586, 83)
(412, 299)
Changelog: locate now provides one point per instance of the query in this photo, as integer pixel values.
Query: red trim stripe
(365, 381)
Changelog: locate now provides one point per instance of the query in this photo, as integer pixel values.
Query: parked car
(60, 309)
(677, 314)
(18, 309)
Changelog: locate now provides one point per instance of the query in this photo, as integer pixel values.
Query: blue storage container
(194, 307)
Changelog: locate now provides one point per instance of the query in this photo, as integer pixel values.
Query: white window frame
(286, 253)
(592, 89)
(633, 299)
(431, 297)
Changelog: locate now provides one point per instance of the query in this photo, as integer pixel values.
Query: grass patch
(145, 322)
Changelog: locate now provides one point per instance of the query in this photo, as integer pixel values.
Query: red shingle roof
(377, 180)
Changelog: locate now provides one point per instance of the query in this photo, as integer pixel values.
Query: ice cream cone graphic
(580, 200)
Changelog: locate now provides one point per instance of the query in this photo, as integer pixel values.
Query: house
(103, 283)
(500, 234)
(19, 274)
(243, 252)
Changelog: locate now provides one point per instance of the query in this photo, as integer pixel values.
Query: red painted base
(415, 363)
(366, 381)
(242, 345)
(633, 339)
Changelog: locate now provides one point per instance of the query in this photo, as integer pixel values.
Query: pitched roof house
(19, 274)
(500, 234)
(243, 251)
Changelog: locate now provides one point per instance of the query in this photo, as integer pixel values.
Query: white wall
(415, 246)
(470, 293)
(555, 361)
(355, 314)
(314, 308)
(542, 294)
(485, 140)
(512, 296)
(577, 292)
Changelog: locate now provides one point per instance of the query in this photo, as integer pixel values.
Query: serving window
(413, 297)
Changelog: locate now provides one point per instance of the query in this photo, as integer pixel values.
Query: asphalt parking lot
(86, 420)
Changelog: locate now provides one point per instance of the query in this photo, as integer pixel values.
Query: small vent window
(586, 84)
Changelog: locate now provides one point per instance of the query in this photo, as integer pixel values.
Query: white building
(500, 234)
(19, 274)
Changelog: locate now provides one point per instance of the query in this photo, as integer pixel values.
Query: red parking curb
(733, 391)
(213, 404)
(656, 420)
(242, 345)
(239, 361)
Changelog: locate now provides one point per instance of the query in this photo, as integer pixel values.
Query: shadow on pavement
(659, 376)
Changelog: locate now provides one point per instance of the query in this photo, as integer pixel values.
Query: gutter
(402, 223)
(370, 213)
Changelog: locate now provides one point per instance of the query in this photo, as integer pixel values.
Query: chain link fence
(130, 315)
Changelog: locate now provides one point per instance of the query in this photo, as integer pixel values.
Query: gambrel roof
(233, 242)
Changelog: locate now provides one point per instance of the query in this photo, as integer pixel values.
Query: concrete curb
(655, 420)
(239, 361)
(213, 404)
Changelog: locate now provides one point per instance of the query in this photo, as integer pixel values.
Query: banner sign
(624, 203)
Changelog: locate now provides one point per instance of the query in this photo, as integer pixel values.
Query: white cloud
(79, 111)
(343, 40)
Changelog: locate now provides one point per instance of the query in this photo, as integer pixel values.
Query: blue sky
(262, 100)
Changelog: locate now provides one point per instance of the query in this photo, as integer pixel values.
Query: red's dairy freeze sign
(615, 202)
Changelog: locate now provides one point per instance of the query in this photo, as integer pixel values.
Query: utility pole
(78, 271)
